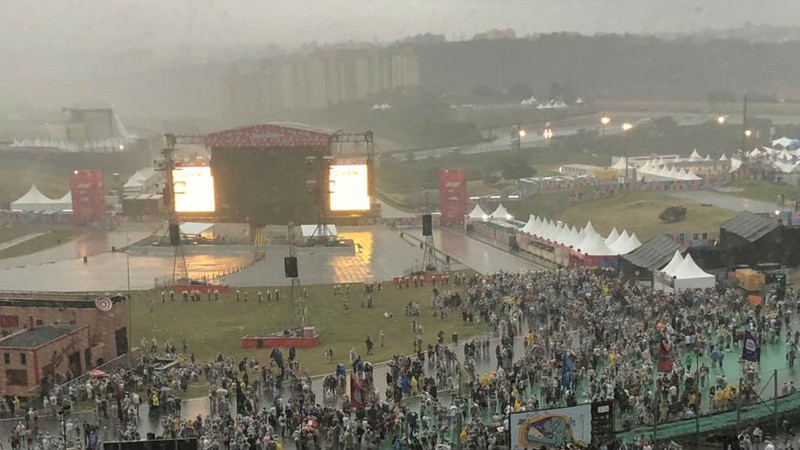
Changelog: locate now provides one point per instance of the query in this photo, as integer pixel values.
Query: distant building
(496, 33)
(319, 79)
(48, 338)
(96, 130)
(36, 354)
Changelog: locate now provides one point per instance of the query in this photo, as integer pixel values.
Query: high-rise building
(319, 79)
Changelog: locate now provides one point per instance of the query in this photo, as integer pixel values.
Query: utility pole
(744, 131)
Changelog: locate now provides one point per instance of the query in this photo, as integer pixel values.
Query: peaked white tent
(34, 200)
(478, 214)
(64, 203)
(613, 236)
(619, 164)
(594, 245)
(723, 157)
(501, 213)
(673, 264)
(529, 225)
(695, 156)
(622, 240)
(690, 276)
(631, 244)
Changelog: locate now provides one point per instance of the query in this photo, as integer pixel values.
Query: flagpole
(130, 299)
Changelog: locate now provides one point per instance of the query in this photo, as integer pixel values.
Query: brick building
(49, 337)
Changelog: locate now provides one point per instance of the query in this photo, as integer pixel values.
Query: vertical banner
(750, 350)
(88, 196)
(452, 196)
(665, 362)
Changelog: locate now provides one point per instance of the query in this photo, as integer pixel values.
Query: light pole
(548, 131)
(625, 128)
(520, 134)
(129, 299)
(604, 121)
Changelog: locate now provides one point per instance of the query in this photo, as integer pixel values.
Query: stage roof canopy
(749, 226)
(277, 134)
(654, 254)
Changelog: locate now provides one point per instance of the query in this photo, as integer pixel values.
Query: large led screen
(194, 189)
(349, 187)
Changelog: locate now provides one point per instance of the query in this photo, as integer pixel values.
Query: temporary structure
(613, 236)
(501, 213)
(621, 240)
(478, 214)
(529, 225)
(629, 245)
(34, 200)
(673, 264)
(690, 276)
(594, 245)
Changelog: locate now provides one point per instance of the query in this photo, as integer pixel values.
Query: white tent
(782, 142)
(622, 240)
(501, 213)
(594, 245)
(537, 227)
(547, 231)
(620, 164)
(613, 236)
(196, 228)
(695, 156)
(673, 264)
(723, 157)
(34, 200)
(529, 225)
(64, 203)
(563, 234)
(631, 244)
(309, 231)
(589, 228)
(690, 276)
(478, 214)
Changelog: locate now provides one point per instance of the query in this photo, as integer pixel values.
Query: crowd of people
(583, 335)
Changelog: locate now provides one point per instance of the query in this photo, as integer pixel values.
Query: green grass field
(636, 211)
(217, 327)
(51, 238)
(762, 190)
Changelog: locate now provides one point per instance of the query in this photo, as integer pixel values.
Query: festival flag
(566, 371)
(665, 361)
(357, 393)
(751, 351)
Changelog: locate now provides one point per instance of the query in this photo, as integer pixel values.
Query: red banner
(452, 196)
(88, 196)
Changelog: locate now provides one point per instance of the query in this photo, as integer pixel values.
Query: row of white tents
(654, 172)
(686, 274)
(585, 240)
(35, 201)
(110, 145)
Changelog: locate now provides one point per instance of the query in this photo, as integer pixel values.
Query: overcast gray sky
(47, 26)
(59, 52)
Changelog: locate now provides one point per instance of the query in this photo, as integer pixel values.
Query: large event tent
(34, 200)
(478, 214)
(501, 213)
(690, 276)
